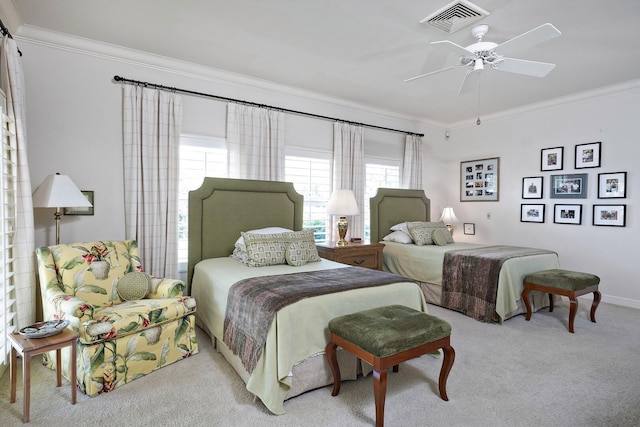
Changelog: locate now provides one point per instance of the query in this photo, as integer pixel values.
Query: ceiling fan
(483, 54)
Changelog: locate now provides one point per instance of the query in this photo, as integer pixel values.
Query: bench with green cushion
(388, 336)
(568, 283)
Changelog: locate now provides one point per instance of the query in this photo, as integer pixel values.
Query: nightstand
(368, 255)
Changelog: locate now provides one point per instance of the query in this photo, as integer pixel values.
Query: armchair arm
(66, 306)
(166, 288)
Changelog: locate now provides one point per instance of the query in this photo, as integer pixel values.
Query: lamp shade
(58, 191)
(342, 202)
(448, 216)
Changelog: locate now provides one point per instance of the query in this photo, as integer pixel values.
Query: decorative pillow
(268, 230)
(270, 249)
(421, 231)
(301, 252)
(133, 286)
(398, 236)
(439, 237)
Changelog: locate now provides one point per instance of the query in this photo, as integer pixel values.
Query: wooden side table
(29, 347)
(368, 255)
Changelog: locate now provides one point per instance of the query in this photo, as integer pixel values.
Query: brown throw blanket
(253, 303)
(470, 278)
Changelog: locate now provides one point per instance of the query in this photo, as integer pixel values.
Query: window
(199, 157)
(379, 173)
(311, 177)
(7, 232)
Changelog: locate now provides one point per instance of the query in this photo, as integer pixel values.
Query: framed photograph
(531, 213)
(612, 185)
(532, 187)
(480, 180)
(469, 228)
(81, 211)
(552, 159)
(610, 215)
(572, 186)
(567, 214)
(588, 155)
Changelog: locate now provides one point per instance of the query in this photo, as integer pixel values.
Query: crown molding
(63, 41)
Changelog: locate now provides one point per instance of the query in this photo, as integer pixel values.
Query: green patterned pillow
(421, 232)
(270, 249)
(133, 286)
(300, 253)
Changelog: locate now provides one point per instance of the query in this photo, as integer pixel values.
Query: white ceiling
(362, 50)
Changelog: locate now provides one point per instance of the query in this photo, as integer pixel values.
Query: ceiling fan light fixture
(478, 65)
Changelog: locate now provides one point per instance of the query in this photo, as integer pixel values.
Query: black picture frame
(532, 187)
(469, 228)
(552, 159)
(532, 212)
(588, 155)
(612, 185)
(81, 211)
(569, 186)
(567, 214)
(610, 215)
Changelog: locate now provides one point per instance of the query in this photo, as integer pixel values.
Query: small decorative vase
(100, 269)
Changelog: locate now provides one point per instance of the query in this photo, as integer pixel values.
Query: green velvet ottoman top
(389, 330)
(562, 279)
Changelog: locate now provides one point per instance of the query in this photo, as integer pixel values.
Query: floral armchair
(129, 323)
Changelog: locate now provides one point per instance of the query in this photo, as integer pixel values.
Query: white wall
(74, 127)
(612, 118)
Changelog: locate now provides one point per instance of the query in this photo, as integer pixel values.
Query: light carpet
(519, 373)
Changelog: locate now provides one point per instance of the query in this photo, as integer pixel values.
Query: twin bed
(291, 361)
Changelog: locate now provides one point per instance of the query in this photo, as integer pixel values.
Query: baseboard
(625, 302)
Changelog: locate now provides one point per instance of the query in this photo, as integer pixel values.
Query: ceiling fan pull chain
(478, 121)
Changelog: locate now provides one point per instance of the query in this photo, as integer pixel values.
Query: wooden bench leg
(527, 303)
(379, 392)
(594, 305)
(550, 303)
(447, 363)
(332, 358)
(573, 309)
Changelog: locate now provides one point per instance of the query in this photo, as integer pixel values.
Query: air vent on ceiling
(455, 15)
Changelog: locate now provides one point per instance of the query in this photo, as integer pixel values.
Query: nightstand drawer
(367, 255)
(361, 260)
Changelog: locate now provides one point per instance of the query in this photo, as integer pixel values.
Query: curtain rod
(301, 113)
(5, 32)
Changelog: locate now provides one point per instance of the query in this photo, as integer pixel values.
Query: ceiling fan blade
(522, 66)
(470, 81)
(531, 38)
(453, 47)
(430, 73)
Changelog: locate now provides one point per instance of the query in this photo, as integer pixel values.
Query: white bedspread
(299, 330)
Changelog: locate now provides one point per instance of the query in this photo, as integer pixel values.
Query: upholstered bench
(387, 336)
(571, 284)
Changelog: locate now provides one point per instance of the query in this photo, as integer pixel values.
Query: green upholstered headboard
(221, 208)
(391, 206)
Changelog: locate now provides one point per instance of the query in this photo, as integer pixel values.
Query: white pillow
(403, 226)
(398, 236)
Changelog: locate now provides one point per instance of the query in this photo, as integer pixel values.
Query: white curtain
(412, 163)
(151, 124)
(12, 82)
(255, 143)
(348, 172)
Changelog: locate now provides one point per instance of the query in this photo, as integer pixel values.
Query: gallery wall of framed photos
(574, 185)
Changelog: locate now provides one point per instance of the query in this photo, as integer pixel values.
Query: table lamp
(449, 217)
(58, 191)
(342, 203)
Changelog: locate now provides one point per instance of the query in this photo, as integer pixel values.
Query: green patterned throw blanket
(253, 303)
(470, 278)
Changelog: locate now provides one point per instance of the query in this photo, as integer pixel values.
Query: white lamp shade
(342, 202)
(58, 191)
(448, 216)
